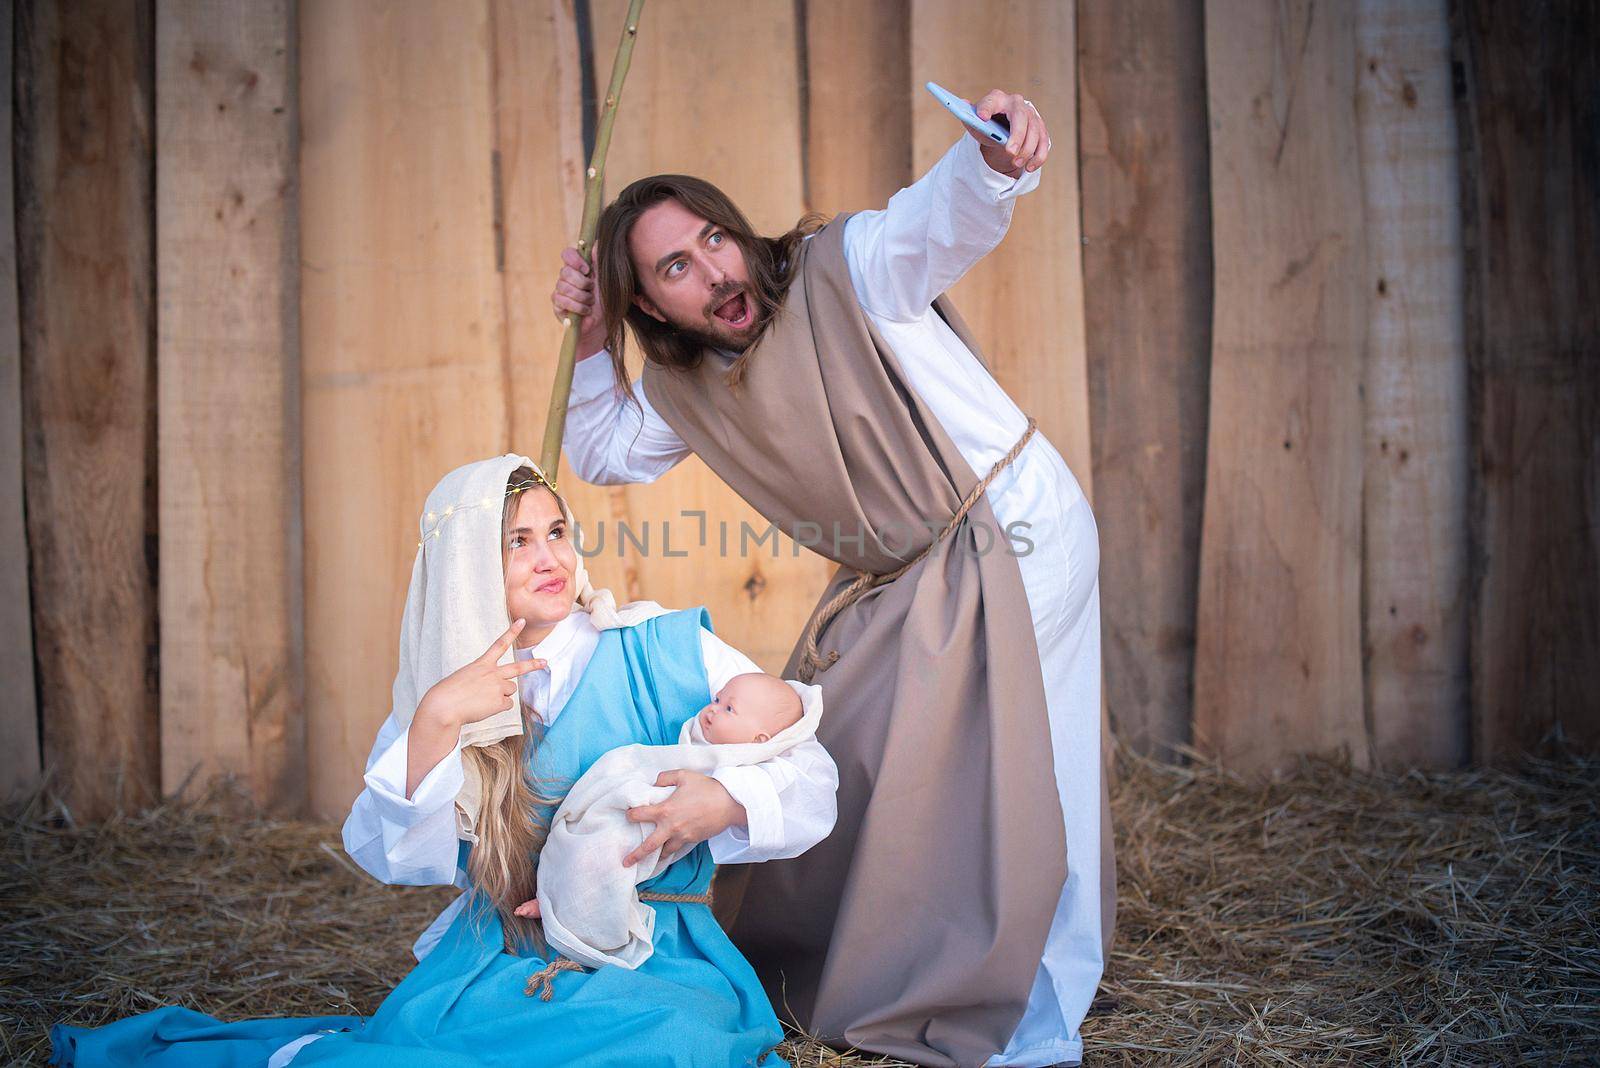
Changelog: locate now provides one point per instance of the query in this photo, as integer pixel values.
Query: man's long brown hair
(771, 262)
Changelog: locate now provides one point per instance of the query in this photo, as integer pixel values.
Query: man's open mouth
(735, 311)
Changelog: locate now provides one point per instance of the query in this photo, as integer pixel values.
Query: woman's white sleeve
(790, 801)
(404, 840)
(904, 255)
(610, 441)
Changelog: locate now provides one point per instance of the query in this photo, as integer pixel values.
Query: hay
(1331, 917)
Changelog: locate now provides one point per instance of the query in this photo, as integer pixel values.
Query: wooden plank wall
(1278, 641)
(402, 333)
(1144, 154)
(539, 162)
(1529, 114)
(856, 99)
(1415, 497)
(227, 264)
(747, 87)
(1024, 301)
(85, 216)
(20, 766)
(1319, 335)
(540, 159)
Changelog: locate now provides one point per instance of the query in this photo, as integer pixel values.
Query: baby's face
(750, 708)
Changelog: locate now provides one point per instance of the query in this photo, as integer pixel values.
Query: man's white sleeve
(608, 440)
(789, 801)
(904, 255)
(396, 839)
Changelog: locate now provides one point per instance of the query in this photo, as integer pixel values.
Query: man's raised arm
(931, 233)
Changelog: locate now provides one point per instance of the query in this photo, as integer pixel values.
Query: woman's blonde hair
(513, 819)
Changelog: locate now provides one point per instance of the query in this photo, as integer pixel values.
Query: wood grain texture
(85, 217)
(1143, 156)
(1415, 496)
(736, 123)
(402, 314)
(232, 680)
(19, 710)
(1278, 643)
(1023, 301)
(857, 103)
(1530, 139)
(540, 162)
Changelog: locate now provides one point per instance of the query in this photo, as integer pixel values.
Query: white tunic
(900, 259)
(788, 800)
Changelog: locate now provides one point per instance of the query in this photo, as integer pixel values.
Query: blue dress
(695, 1001)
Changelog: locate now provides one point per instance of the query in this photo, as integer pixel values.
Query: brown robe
(915, 929)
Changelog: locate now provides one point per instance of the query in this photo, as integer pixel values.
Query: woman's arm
(778, 808)
(789, 801)
(904, 255)
(405, 836)
(402, 827)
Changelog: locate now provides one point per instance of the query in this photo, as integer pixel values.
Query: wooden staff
(555, 425)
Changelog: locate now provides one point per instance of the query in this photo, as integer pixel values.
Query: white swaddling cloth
(588, 902)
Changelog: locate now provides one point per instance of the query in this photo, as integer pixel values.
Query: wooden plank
(227, 268)
(1024, 301)
(1415, 498)
(736, 123)
(85, 264)
(402, 333)
(540, 161)
(1529, 110)
(19, 709)
(1278, 642)
(1143, 155)
(856, 103)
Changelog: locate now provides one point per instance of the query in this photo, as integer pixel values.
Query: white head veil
(456, 605)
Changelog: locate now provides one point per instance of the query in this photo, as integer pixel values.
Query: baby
(754, 707)
(589, 903)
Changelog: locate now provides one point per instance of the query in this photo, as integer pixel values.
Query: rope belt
(543, 981)
(811, 660)
(682, 899)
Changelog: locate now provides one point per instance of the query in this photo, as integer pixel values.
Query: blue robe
(695, 1001)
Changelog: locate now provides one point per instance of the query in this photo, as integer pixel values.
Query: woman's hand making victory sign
(481, 687)
(478, 690)
(1030, 142)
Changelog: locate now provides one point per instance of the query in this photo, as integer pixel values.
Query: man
(960, 911)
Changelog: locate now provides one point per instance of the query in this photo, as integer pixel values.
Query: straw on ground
(1330, 917)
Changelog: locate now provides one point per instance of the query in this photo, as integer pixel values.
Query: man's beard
(737, 341)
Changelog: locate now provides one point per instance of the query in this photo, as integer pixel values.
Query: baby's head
(754, 707)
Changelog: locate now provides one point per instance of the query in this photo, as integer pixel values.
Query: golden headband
(538, 479)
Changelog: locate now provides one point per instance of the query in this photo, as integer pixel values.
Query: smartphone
(994, 129)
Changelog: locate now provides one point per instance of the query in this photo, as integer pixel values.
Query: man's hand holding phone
(1006, 126)
(1029, 142)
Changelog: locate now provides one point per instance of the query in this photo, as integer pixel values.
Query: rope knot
(812, 659)
(543, 981)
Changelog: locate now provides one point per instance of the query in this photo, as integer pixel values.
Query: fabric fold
(936, 707)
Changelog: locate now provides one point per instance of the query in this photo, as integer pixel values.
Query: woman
(462, 782)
